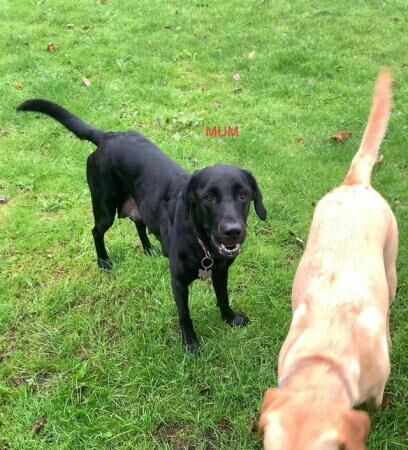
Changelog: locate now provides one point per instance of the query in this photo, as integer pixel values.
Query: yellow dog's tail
(364, 160)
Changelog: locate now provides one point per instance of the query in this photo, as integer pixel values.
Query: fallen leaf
(252, 426)
(39, 424)
(299, 139)
(19, 85)
(3, 199)
(86, 81)
(380, 159)
(387, 399)
(251, 55)
(341, 136)
(236, 76)
(51, 47)
(297, 240)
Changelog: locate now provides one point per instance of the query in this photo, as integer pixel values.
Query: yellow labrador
(336, 353)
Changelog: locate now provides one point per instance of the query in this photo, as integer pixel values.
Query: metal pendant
(205, 272)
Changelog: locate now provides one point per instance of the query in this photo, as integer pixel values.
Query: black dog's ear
(256, 196)
(188, 193)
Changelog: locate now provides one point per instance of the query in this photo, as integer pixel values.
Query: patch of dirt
(36, 382)
(225, 425)
(42, 378)
(177, 436)
(212, 438)
(204, 390)
(111, 331)
(211, 441)
(16, 382)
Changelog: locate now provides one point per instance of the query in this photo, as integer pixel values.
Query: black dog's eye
(243, 195)
(210, 197)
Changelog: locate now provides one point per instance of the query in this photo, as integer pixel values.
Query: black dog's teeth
(229, 250)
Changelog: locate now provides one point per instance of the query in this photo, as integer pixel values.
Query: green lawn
(99, 353)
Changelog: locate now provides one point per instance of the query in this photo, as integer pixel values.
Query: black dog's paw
(104, 264)
(190, 344)
(152, 251)
(237, 320)
(192, 347)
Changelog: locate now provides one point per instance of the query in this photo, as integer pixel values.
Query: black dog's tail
(80, 128)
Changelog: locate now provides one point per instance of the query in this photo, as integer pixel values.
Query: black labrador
(199, 219)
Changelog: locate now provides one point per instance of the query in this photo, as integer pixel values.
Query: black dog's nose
(232, 230)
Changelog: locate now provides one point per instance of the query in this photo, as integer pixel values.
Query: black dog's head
(219, 197)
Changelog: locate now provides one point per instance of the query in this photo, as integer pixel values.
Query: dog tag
(205, 272)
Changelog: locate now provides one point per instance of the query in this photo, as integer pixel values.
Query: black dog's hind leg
(188, 336)
(220, 282)
(129, 208)
(104, 198)
(104, 216)
(144, 239)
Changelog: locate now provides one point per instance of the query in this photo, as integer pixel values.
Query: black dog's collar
(205, 272)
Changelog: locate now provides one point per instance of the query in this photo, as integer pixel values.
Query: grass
(99, 354)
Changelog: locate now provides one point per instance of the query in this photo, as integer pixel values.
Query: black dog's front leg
(188, 336)
(220, 282)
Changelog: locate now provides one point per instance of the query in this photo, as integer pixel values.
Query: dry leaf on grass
(86, 82)
(39, 424)
(299, 139)
(51, 47)
(380, 159)
(19, 85)
(297, 240)
(341, 136)
(252, 426)
(236, 76)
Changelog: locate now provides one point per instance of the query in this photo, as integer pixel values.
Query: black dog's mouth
(227, 250)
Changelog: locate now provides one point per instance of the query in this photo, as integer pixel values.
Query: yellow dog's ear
(272, 399)
(356, 426)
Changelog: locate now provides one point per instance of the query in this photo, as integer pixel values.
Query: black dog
(200, 219)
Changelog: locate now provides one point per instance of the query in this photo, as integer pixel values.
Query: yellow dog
(336, 353)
